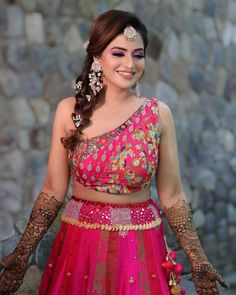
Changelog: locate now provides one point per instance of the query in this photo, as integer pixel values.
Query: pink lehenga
(107, 248)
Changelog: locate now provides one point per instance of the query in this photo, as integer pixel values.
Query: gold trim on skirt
(111, 227)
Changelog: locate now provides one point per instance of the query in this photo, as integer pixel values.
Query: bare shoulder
(67, 103)
(163, 108)
(65, 107)
(64, 110)
(165, 115)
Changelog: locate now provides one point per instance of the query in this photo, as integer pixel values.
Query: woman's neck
(116, 97)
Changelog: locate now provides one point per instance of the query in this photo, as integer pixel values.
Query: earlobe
(97, 58)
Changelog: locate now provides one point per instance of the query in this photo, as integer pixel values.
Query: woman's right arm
(58, 172)
(46, 206)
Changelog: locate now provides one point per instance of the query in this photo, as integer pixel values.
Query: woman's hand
(43, 214)
(205, 279)
(13, 273)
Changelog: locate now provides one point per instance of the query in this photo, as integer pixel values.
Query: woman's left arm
(176, 209)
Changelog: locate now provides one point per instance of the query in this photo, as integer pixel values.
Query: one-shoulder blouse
(123, 160)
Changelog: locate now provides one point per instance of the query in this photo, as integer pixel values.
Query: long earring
(95, 74)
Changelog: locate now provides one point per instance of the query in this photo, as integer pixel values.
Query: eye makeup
(137, 53)
(117, 53)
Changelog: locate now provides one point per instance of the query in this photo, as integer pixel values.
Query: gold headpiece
(130, 33)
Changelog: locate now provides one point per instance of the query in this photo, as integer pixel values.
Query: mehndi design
(42, 216)
(204, 275)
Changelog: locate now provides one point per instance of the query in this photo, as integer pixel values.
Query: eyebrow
(124, 49)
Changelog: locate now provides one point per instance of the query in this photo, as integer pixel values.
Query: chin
(126, 85)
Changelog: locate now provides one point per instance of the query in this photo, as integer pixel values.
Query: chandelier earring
(95, 77)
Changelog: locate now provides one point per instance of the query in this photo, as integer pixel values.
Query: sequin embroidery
(122, 160)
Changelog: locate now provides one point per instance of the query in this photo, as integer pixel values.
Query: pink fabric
(110, 214)
(123, 160)
(99, 262)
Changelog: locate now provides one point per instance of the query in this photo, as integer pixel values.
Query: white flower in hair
(88, 97)
(78, 86)
(77, 119)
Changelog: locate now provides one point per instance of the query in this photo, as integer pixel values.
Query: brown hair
(104, 29)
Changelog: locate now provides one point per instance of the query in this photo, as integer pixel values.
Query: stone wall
(190, 66)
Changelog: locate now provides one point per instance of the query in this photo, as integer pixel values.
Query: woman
(111, 142)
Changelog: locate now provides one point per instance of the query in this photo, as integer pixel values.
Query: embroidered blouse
(122, 160)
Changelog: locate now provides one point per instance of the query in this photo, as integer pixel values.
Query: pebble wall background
(42, 48)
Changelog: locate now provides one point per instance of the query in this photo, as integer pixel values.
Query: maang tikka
(95, 76)
(130, 33)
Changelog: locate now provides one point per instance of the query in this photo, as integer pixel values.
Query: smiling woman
(117, 64)
(112, 143)
(123, 62)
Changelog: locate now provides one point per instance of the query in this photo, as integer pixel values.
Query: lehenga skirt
(107, 249)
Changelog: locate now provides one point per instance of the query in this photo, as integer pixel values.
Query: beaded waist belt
(111, 217)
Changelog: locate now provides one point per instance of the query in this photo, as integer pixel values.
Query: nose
(129, 62)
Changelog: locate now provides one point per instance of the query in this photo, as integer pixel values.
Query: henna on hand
(43, 214)
(205, 276)
(12, 277)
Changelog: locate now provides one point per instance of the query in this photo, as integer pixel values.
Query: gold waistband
(111, 227)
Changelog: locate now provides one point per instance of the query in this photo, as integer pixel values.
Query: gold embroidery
(111, 227)
(101, 265)
(144, 282)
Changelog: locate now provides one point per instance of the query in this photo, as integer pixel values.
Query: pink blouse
(122, 160)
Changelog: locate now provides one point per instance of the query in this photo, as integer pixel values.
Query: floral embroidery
(123, 160)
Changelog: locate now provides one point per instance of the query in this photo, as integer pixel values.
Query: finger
(4, 290)
(199, 291)
(221, 281)
(207, 288)
(215, 290)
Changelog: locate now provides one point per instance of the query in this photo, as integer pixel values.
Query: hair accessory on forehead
(130, 33)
